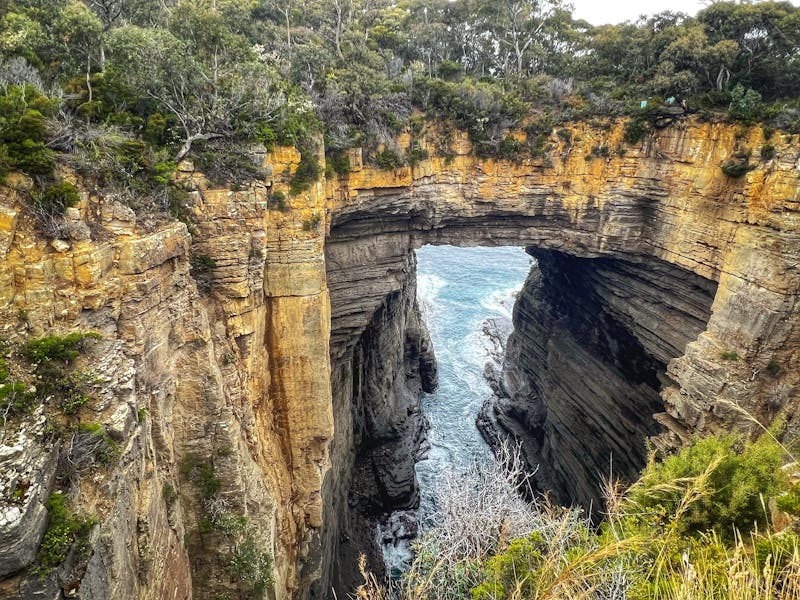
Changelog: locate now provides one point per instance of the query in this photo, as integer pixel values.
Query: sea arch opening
(581, 381)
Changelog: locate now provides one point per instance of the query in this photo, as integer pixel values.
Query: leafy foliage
(736, 166)
(23, 111)
(306, 174)
(51, 348)
(743, 474)
(66, 531)
(15, 398)
(252, 566)
(182, 77)
(693, 526)
(201, 473)
(53, 357)
(389, 159)
(57, 197)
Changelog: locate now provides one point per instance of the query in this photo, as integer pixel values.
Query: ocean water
(459, 290)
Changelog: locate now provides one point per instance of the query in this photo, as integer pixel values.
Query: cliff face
(585, 364)
(286, 363)
(664, 208)
(377, 382)
(213, 379)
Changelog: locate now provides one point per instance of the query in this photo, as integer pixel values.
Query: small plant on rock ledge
(729, 355)
(307, 173)
(389, 159)
(66, 531)
(252, 567)
(600, 151)
(203, 263)
(201, 473)
(738, 164)
(312, 222)
(170, 494)
(53, 357)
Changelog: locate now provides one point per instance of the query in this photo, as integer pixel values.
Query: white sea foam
(428, 288)
(458, 289)
(501, 302)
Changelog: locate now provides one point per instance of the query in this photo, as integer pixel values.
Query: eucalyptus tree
(78, 31)
(212, 85)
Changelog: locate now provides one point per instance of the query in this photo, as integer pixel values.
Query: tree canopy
(177, 72)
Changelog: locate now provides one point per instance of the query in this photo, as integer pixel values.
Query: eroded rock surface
(291, 370)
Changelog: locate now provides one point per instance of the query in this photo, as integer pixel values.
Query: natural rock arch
(689, 267)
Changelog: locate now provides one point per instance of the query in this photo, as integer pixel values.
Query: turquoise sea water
(458, 290)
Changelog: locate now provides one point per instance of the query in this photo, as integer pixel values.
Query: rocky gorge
(277, 349)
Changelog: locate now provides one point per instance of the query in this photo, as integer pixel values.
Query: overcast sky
(616, 11)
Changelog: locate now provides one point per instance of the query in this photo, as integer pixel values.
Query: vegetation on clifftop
(122, 91)
(713, 520)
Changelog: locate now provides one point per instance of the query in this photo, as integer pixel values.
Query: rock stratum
(277, 351)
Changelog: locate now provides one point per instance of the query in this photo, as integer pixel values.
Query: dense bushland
(123, 90)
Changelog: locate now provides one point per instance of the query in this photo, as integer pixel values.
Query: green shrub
(777, 553)
(91, 445)
(162, 172)
(66, 530)
(745, 105)
(634, 131)
(510, 148)
(297, 127)
(202, 263)
(15, 399)
(729, 355)
(61, 348)
(415, 154)
(742, 475)
(565, 134)
(252, 566)
(23, 131)
(201, 473)
(70, 391)
(170, 494)
(56, 198)
(307, 173)
(513, 570)
(388, 159)
(738, 164)
(312, 222)
(450, 70)
(767, 152)
(541, 125)
(53, 356)
(265, 134)
(339, 162)
(599, 151)
(789, 501)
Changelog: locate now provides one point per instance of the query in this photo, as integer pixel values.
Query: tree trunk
(89, 75)
(187, 144)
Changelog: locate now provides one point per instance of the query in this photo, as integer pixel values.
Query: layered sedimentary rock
(212, 375)
(666, 202)
(585, 364)
(287, 366)
(377, 383)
